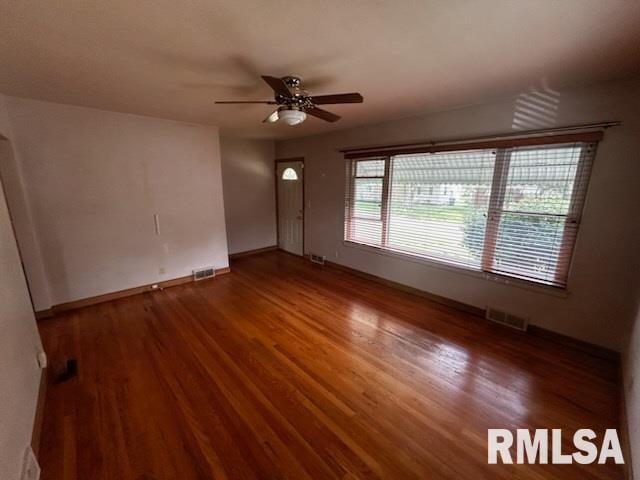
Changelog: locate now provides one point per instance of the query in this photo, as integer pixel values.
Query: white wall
(93, 181)
(631, 376)
(598, 303)
(19, 344)
(249, 193)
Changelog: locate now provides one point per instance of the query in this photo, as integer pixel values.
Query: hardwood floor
(285, 369)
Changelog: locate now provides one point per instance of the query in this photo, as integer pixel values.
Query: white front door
(290, 206)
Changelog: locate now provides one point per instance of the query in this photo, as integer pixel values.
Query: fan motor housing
(292, 81)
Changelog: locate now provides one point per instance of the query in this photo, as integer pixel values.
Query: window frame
(384, 198)
(496, 209)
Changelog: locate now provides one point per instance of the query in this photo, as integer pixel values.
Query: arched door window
(289, 174)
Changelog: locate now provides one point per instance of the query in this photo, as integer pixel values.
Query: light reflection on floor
(452, 370)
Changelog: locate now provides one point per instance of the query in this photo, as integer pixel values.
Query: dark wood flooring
(285, 369)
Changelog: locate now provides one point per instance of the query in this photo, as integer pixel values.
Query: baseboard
(415, 291)
(246, 253)
(85, 302)
(36, 435)
(589, 348)
(42, 314)
(564, 340)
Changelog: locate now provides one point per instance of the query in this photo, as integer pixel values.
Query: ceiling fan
(294, 103)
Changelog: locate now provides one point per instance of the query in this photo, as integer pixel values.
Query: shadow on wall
(536, 109)
(55, 262)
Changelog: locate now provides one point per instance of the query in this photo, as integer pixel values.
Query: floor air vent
(65, 371)
(203, 273)
(315, 258)
(513, 321)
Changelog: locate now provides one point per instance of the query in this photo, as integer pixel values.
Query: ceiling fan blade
(268, 102)
(271, 118)
(278, 85)
(337, 98)
(323, 114)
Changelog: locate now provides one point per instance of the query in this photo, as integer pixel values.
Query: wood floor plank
(285, 369)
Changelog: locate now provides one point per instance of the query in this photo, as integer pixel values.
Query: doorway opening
(10, 190)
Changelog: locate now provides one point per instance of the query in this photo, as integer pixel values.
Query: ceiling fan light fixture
(294, 103)
(292, 117)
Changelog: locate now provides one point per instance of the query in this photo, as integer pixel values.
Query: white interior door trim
(290, 204)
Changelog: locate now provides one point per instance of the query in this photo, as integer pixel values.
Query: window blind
(512, 211)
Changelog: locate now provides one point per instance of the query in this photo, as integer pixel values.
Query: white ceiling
(171, 59)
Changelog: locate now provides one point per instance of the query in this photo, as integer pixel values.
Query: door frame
(13, 223)
(304, 207)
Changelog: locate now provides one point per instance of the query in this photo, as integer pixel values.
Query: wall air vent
(513, 321)
(202, 273)
(315, 258)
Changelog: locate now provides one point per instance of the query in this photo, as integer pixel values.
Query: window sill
(490, 277)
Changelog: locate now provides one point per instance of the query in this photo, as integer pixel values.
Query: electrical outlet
(42, 360)
(161, 271)
(30, 468)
